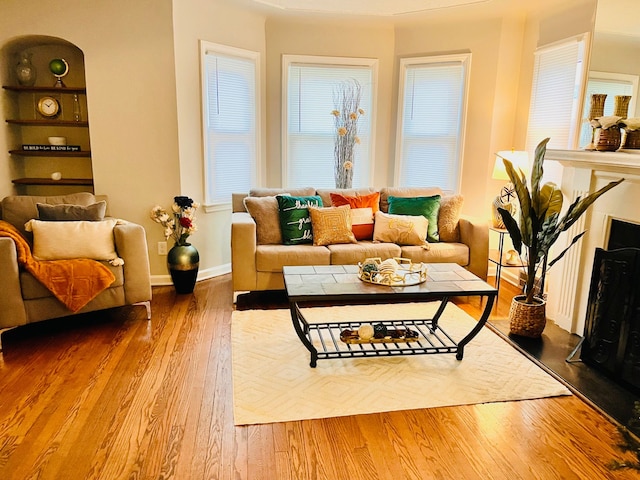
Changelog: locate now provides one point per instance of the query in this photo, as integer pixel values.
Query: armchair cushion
(65, 240)
(66, 212)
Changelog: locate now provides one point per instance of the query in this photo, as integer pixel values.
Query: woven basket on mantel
(527, 320)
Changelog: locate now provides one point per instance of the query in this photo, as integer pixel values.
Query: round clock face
(48, 107)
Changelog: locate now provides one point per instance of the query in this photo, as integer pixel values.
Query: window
(308, 126)
(612, 84)
(431, 116)
(556, 93)
(230, 121)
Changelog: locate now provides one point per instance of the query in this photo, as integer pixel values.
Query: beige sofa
(23, 299)
(258, 266)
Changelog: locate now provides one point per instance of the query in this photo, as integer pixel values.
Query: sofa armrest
(474, 233)
(12, 312)
(243, 252)
(131, 245)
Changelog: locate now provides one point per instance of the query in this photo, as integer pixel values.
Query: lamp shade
(519, 159)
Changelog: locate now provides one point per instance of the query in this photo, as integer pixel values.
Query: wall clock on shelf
(48, 107)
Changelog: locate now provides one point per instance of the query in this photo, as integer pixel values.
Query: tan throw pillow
(331, 225)
(448, 217)
(400, 229)
(264, 211)
(66, 240)
(362, 223)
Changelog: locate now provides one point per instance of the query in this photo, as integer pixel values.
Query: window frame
(207, 48)
(464, 59)
(325, 61)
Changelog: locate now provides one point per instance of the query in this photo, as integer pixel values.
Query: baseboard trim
(164, 280)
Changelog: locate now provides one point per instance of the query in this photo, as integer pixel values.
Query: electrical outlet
(162, 248)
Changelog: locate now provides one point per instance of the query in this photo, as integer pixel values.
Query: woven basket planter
(632, 139)
(607, 140)
(527, 320)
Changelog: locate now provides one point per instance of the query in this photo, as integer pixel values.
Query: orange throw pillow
(363, 208)
(371, 200)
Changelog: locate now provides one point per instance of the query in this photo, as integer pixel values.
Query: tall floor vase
(183, 262)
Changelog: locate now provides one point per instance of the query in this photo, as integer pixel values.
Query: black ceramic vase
(183, 262)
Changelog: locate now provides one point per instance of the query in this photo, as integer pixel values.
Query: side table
(497, 256)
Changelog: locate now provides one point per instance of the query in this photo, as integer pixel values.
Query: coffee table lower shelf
(323, 339)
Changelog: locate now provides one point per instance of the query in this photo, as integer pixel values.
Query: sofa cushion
(325, 193)
(331, 225)
(272, 192)
(428, 207)
(387, 192)
(400, 229)
(448, 218)
(264, 211)
(271, 258)
(438, 253)
(65, 212)
(19, 209)
(353, 253)
(295, 221)
(66, 240)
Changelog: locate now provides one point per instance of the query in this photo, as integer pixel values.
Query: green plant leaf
(536, 176)
(513, 229)
(550, 200)
(520, 184)
(575, 239)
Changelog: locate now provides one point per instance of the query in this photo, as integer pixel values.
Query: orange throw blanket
(74, 282)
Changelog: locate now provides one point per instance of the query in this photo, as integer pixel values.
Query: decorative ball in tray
(378, 333)
(394, 272)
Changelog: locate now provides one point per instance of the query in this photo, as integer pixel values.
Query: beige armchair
(23, 299)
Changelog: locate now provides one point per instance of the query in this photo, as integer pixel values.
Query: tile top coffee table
(328, 285)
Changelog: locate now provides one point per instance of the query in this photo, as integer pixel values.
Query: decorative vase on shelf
(25, 71)
(183, 262)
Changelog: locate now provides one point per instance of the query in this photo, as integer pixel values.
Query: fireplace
(569, 281)
(612, 330)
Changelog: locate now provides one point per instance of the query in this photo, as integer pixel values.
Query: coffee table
(328, 285)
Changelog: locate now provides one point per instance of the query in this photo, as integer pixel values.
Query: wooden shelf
(49, 181)
(54, 153)
(18, 88)
(46, 123)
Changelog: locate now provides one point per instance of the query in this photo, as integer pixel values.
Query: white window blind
(612, 84)
(555, 94)
(431, 121)
(309, 129)
(230, 119)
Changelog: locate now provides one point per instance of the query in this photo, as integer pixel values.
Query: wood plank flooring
(113, 396)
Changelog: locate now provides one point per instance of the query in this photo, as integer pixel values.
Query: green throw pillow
(295, 221)
(428, 207)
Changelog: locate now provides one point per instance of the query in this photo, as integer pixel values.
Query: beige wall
(215, 22)
(129, 65)
(328, 38)
(143, 85)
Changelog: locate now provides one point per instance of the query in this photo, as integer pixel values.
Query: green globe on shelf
(59, 67)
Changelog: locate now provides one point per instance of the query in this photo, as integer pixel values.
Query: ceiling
(367, 7)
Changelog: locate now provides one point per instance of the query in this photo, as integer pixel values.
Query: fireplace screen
(612, 329)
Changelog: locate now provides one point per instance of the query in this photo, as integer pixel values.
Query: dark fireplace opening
(623, 234)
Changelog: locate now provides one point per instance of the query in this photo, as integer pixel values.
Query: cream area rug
(272, 380)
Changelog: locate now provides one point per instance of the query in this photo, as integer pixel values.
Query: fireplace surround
(583, 172)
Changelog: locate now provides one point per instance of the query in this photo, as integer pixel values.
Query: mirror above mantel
(614, 65)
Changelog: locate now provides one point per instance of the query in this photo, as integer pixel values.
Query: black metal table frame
(436, 341)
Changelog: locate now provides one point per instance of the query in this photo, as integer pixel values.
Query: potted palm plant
(539, 227)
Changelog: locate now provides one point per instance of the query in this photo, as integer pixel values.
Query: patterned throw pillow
(428, 207)
(400, 229)
(448, 217)
(331, 225)
(295, 222)
(363, 207)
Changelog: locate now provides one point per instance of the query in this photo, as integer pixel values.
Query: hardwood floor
(111, 396)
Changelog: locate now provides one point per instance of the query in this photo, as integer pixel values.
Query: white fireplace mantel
(584, 172)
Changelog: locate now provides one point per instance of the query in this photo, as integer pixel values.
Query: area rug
(272, 380)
